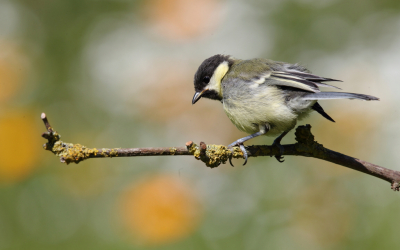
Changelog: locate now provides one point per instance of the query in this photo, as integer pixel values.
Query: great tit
(264, 97)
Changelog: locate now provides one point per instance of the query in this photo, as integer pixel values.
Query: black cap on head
(206, 70)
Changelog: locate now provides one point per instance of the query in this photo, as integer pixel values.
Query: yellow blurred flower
(159, 210)
(19, 147)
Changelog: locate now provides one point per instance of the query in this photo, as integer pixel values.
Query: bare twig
(214, 155)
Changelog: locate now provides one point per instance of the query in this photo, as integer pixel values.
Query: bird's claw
(241, 146)
(279, 156)
(230, 161)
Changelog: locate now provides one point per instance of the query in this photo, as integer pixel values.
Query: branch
(214, 155)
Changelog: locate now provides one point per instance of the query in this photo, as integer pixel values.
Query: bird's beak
(197, 96)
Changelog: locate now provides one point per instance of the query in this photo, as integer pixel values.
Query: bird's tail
(338, 95)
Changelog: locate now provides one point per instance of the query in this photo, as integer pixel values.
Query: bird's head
(207, 80)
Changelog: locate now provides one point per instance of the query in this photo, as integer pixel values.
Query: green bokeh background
(107, 76)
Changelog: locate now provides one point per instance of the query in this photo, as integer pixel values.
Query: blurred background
(119, 73)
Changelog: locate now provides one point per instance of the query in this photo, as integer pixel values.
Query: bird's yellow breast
(249, 109)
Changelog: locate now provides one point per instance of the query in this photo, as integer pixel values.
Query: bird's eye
(206, 79)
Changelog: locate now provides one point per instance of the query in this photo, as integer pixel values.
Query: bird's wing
(304, 78)
(300, 80)
(268, 72)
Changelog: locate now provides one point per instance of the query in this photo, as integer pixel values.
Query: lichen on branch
(215, 155)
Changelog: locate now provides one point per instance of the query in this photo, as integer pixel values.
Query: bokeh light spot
(13, 69)
(159, 210)
(20, 143)
(184, 19)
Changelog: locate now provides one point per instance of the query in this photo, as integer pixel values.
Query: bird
(264, 97)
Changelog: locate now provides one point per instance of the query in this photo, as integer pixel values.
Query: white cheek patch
(219, 73)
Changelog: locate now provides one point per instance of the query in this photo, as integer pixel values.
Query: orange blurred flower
(161, 209)
(13, 70)
(184, 19)
(19, 147)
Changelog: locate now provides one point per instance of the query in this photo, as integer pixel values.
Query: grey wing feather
(306, 78)
(295, 76)
(337, 95)
(321, 84)
(292, 81)
(312, 77)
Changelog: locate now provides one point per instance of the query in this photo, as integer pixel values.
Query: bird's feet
(279, 157)
(241, 146)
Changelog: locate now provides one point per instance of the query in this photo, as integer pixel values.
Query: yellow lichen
(214, 155)
(194, 150)
(172, 151)
(237, 153)
(69, 152)
(113, 152)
